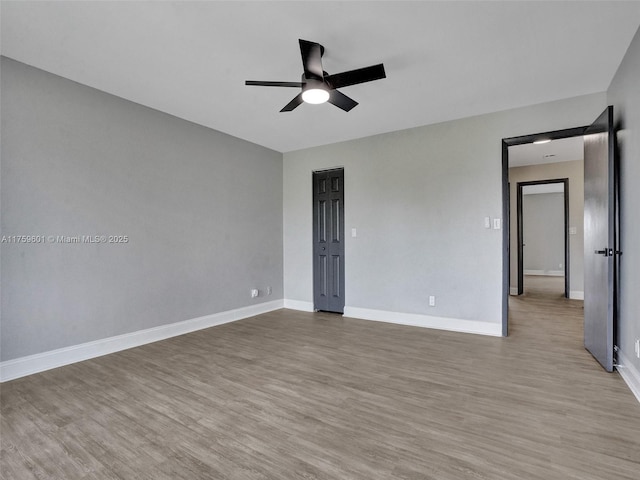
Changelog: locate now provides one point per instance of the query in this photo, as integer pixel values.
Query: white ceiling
(563, 150)
(444, 60)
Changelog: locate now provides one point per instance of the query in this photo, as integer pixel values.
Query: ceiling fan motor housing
(313, 82)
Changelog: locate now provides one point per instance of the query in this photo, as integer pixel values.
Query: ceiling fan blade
(274, 84)
(312, 59)
(297, 100)
(353, 77)
(340, 100)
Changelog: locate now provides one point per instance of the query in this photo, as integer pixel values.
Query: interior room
(255, 240)
(551, 245)
(543, 218)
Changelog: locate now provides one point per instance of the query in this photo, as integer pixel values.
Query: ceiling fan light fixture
(320, 87)
(315, 95)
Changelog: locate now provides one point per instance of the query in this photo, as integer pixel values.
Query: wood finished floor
(291, 395)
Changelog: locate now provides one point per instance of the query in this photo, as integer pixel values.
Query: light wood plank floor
(290, 395)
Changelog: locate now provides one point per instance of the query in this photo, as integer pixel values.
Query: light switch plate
(354, 233)
(496, 224)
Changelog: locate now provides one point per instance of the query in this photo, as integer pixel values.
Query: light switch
(487, 222)
(496, 224)
(354, 233)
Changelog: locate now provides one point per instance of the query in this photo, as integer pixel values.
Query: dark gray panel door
(600, 239)
(328, 240)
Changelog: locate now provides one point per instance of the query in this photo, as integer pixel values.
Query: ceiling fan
(318, 86)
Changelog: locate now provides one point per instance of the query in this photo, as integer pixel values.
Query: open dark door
(600, 239)
(328, 240)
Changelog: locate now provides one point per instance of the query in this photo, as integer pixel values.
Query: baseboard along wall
(573, 294)
(548, 273)
(629, 374)
(29, 365)
(426, 321)
(410, 319)
(23, 366)
(299, 305)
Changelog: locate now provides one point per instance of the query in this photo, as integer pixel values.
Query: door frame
(341, 229)
(506, 237)
(520, 232)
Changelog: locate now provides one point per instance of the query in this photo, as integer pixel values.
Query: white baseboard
(533, 272)
(299, 305)
(629, 374)
(573, 294)
(548, 273)
(426, 321)
(21, 367)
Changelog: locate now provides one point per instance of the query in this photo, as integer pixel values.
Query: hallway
(546, 318)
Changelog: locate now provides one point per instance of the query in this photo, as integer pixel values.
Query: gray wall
(203, 212)
(543, 229)
(624, 95)
(574, 171)
(418, 199)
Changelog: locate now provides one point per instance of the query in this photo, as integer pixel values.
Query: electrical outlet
(269, 291)
(432, 301)
(254, 292)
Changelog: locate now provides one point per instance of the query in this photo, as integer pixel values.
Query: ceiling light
(541, 141)
(315, 95)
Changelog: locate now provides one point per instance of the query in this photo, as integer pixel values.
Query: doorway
(601, 231)
(543, 228)
(507, 273)
(328, 240)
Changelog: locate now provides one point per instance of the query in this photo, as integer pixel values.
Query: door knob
(607, 252)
